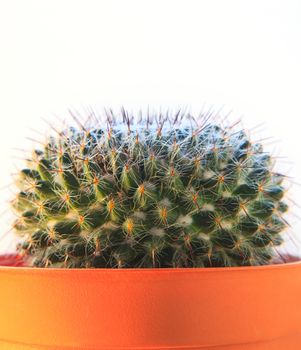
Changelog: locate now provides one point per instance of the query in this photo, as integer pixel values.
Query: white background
(243, 55)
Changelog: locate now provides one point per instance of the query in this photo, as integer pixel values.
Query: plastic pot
(184, 309)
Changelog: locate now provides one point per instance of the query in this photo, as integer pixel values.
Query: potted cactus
(159, 233)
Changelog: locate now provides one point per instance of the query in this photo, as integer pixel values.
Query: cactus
(159, 192)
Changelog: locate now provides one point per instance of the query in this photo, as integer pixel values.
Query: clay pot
(239, 308)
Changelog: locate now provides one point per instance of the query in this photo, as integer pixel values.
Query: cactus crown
(160, 192)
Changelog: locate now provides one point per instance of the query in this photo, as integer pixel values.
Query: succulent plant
(165, 191)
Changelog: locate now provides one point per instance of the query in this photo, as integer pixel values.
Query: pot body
(242, 308)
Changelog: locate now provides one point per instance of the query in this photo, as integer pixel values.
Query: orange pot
(240, 308)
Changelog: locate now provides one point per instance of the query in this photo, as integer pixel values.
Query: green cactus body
(145, 196)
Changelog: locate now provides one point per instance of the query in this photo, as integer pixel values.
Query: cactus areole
(162, 191)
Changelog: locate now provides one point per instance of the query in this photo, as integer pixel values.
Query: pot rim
(155, 270)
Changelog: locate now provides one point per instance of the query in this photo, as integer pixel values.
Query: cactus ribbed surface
(154, 193)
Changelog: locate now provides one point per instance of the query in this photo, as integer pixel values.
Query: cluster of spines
(163, 195)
